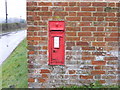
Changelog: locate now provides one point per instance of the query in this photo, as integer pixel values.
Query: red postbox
(56, 42)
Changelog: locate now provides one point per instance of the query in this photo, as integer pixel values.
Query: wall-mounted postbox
(56, 42)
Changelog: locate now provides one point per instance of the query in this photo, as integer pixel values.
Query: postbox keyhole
(56, 24)
(54, 51)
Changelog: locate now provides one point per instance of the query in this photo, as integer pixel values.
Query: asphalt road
(9, 41)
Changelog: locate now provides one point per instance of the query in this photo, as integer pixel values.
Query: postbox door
(57, 50)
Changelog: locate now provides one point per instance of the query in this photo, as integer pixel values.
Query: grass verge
(14, 69)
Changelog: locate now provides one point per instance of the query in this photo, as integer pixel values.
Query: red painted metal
(56, 25)
(56, 55)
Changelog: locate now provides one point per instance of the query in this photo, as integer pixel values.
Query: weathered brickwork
(91, 43)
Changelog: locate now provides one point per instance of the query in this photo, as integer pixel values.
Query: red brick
(37, 18)
(88, 28)
(117, 4)
(68, 48)
(31, 80)
(44, 48)
(30, 33)
(98, 43)
(99, 14)
(43, 52)
(111, 28)
(31, 52)
(42, 23)
(98, 62)
(86, 53)
(31, 3)
(111, 19)
(71, 33)
(102, 81)
(33, 43)
(61, 13)
(99, 39)
(84, 3)
(46, 17)
(72, 8)
(114, 34)
(88, 48)
(30, 8)
(72, 72)
(72, 3)
(82, 43)
(33, 28)
(42, 33)
(97, 67)
(100, 9)
(86, 77)
(99, 34)
(43, 38)
(110, 14)
(88, 9)
(84, 34)
(97, 72)
(33, 38)
(111, 4)
(30, 19)
(88, 18)
(41, 80)
(111, 39)
(100, 19)
(73, 18)
(84, 14)
(112, 24)
(34, 8)
(100, 23)
(57, 9)
(73, 38)
(69, 23)
(88, 39)
(100, 29)
(45, 13)
(72, 28)
(44, 76)
(44, 8)
(35, 33)
(44, 3)
(72, 13)
(85, 23)
(111, 58)
(61, 3)
(30, 13)
(99, 4)
(45, 71)
(70, 43)
(88, 58)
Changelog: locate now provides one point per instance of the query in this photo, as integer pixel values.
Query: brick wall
(91, 43)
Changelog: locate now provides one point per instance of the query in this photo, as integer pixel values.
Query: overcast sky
(16, 8)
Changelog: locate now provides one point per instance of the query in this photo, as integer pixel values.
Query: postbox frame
(57, 32)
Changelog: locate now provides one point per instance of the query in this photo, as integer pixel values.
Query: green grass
(14, 69)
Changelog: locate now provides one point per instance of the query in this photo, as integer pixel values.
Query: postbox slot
(57, 30)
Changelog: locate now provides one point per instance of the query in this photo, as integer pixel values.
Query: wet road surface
(9, 41)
